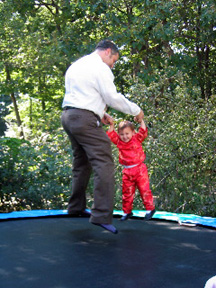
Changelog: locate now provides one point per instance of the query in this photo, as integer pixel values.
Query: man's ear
(108, 51)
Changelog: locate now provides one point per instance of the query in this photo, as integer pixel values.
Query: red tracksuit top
(130, 153)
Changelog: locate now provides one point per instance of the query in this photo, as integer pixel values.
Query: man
(89, 89)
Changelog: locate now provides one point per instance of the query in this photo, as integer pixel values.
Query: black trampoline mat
(64, 252)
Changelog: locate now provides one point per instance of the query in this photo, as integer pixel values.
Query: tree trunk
(207, 73)
(13, 98)
(30, 113)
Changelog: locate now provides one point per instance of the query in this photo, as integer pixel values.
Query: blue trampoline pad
(182, 219)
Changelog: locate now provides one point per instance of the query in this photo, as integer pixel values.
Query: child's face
(126, 134)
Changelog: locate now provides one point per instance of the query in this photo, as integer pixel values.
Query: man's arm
(109, 94)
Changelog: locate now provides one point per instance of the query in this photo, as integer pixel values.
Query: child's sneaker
(126, 216)
(149, 214)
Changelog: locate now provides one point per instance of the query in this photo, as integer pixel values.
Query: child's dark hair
(124, 124)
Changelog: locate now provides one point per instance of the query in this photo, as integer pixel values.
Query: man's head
(126, 130)
(108, 52)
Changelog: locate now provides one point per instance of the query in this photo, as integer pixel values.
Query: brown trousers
(91, 151)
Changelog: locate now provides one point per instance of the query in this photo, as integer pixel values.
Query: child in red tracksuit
(135, 173)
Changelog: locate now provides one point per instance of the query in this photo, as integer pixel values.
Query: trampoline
(52, 250)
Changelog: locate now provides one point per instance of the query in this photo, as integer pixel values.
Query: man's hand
(138, 118)
(107, 119)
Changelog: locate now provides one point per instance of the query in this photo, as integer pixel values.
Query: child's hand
(107, 119)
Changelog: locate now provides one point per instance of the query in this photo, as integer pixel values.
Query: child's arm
(107, 119)
(143, 132)
(142, 125)
(112, 133)
(111, 128)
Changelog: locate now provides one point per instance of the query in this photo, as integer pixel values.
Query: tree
(167, 65)
(10, 38)
(196, 41)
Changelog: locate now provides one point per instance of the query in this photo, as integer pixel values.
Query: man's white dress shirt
(89, 84)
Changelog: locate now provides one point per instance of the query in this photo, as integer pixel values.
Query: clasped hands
(108, 120)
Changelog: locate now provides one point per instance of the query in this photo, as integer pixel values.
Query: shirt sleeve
(113, 136)
(112, 98)
(142, 134)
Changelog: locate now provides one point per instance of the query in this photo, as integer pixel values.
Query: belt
(68, 107)
(130, 166)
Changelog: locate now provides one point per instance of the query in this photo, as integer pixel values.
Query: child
(135, 173)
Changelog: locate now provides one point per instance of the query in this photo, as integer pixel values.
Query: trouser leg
(84, 130)
(128, 191)
(98, 150)
(81, 172)
(144, 187)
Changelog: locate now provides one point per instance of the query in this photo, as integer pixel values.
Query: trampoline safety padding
(182, 219)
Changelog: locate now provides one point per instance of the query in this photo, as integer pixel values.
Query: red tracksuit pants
(136, 177)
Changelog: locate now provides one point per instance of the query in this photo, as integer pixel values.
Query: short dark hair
(125, 124)
(105, 44)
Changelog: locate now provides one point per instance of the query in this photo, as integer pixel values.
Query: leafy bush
(181, 147)
(34, 176)
(180, 150)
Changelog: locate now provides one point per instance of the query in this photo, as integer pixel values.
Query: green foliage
(180, 150)
(167, 67)
(35, 175)
(181, 147)
(5, 101)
